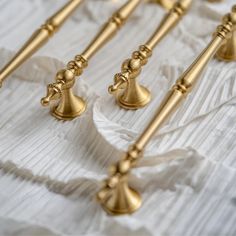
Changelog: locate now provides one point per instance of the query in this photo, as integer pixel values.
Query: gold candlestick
(39, 38)
(117, 197)
(129, 93)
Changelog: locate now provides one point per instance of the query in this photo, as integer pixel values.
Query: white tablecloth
(51, 170)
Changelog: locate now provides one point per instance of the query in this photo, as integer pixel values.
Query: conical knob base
(135, 97)
(122, 200)
(228, 51)
(69, 107)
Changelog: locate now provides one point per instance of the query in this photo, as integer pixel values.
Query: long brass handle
(39, 38)
(68, 109)
(117, 197)
(134, 95)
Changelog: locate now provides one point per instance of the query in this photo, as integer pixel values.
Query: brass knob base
(122, 201)
(226, 55)
(134, 101)
(228, 51)
(71, 110)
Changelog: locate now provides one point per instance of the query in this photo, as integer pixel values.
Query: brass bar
(71, 107)
(170, 20)
(117, 197)
(110, 28)
(168, 106)
(172, 100)
(129, 93)
(39, 38)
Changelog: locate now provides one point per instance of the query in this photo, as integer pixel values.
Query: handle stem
(110, 28)
(39, 38)
(183, 85)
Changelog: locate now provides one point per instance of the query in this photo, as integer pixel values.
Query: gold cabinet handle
(117, 197)
(128, 92)
(39, 38)
(70, 106)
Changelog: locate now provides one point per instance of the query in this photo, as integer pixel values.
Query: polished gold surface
(167, 4)
(129, 199)
(39, 38)
(70, 106)
(129, 93)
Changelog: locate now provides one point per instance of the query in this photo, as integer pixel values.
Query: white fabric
(51, 170)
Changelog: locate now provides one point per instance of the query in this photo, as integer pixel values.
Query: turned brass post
(70, 106)
(129, 199)
(39, 38)
(129, 93)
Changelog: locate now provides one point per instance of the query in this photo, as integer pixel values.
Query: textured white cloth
(51, 170)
